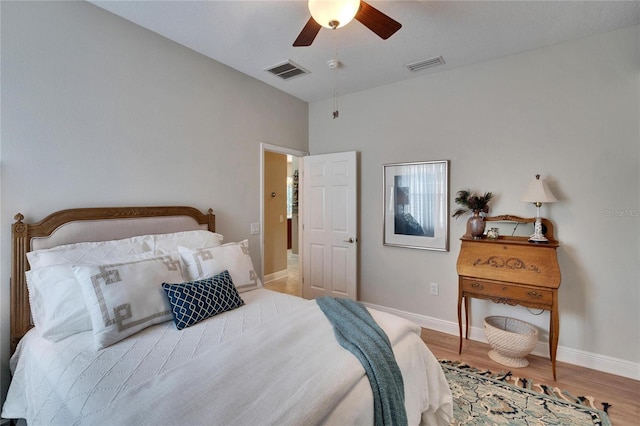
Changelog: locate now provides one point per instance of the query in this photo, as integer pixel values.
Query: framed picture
(416, 205)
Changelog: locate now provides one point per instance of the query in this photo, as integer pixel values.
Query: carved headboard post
(20, 313)
(212, 220)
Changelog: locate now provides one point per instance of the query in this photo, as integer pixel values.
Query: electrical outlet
(255, 228)
(435, 289)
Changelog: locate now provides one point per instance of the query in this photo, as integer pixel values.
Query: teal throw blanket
(358, 332)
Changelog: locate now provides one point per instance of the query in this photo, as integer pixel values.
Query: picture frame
(416, 205)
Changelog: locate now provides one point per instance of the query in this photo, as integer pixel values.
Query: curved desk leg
(461, 299)
(466, 318)
(460, 320)
(554, 331)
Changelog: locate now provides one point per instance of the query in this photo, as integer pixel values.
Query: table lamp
(537, 194)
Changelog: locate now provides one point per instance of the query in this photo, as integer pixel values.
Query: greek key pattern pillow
(124, 298)
(192, 302)
(233, 257)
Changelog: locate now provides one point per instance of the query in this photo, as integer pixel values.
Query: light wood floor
(289, 284)
(623, 394)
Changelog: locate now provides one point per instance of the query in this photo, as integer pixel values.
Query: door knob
(350, 240)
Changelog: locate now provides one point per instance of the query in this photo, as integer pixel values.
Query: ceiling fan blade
(377, 21)
(308, 33)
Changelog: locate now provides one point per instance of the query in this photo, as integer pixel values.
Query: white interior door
(329, 224)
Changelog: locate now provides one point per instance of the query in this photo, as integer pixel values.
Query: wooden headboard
(130, 222)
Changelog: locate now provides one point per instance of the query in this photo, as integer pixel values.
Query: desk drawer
(507, 291)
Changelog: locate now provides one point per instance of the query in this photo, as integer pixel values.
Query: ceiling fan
(336, 14)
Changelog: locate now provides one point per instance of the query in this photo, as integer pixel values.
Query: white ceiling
(253, 35)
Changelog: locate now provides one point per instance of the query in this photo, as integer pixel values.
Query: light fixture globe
(333, 13)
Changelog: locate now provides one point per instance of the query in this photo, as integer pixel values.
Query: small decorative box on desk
(512, 271)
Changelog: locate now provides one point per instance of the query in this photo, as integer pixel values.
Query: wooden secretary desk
(512, 271)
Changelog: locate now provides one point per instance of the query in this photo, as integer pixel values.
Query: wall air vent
(427, 63)
(287, 70)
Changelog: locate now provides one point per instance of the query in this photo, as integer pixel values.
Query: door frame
(265, 147)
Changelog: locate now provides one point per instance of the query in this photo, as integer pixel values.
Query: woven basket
(511, 339)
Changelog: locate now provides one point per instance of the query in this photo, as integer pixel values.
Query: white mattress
(68, 382)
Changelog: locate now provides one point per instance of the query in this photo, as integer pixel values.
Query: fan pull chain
(336, 113)
(334, 64)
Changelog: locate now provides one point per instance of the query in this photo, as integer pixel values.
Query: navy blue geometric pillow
(192, 302)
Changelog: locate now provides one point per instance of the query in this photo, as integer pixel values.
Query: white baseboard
(276, 276)
(603, 363)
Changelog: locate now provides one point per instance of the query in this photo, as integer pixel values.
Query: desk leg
(460, 320)
(466, 318)
(554, 331)
(462, 298)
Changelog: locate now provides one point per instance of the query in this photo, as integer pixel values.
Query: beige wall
(97, 111)
(275, 213)
(569, 112)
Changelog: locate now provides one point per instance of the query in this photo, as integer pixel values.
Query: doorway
(280, 224)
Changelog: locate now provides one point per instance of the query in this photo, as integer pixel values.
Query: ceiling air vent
(427, 63)
(287, 70)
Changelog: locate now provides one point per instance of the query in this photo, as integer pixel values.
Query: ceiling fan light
(326, 12)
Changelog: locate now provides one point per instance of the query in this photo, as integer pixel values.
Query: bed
(101, 333)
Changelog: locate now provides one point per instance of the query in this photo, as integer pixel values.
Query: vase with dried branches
(478, 205)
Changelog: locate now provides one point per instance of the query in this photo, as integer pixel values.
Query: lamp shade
(538, 192)
(333, 13)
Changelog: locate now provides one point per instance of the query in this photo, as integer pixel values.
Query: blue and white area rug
(483, 398)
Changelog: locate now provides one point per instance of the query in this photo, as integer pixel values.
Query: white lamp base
(538, 236)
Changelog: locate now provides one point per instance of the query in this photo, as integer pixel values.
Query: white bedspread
(273, 361)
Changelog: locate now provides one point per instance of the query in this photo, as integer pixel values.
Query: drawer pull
(477, 286)
(534, 294)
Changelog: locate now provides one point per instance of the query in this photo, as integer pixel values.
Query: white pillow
(91, 252)
(125, 298)
(169, 243)
(57, 303)
(206, 262)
